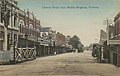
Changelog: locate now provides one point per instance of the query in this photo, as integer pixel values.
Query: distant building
(61, 40)
(68, 39)
(67, 43)
(49, 36)
(45, 31)
(103, 36)
(111, 32)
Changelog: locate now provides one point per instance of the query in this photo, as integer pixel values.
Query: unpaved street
(70, 64)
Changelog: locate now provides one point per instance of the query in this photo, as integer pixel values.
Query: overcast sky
(84, 21)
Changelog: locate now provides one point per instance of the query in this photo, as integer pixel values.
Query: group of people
(97, 52)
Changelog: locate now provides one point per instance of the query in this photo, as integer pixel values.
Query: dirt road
(70, 64)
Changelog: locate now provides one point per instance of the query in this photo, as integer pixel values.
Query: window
(15, 18)
(21, 23)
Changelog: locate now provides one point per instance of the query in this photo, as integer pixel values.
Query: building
(117, 25)
(116, 54)
(21, 29)
(67, 43)
(103, 36)
(8, 24)
(29, 28)
(46, 35)
(112, 44)
(45, 31)
(61, 40)
(104, 41)
(68, 39)
(108, 45)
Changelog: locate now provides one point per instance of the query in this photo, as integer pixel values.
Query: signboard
(103, 36)
(114, 41)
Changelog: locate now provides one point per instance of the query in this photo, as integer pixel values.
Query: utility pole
(108, 39)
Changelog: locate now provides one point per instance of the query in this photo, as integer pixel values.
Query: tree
(74, 41)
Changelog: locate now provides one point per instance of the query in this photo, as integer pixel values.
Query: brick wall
(60, 39)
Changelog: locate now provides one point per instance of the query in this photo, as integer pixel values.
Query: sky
(84, 18)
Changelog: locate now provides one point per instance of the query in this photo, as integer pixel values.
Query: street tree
(74, 41)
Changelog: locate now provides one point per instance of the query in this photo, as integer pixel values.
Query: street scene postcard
(59, 37)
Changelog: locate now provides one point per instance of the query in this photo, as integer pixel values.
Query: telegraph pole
(108, 39)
